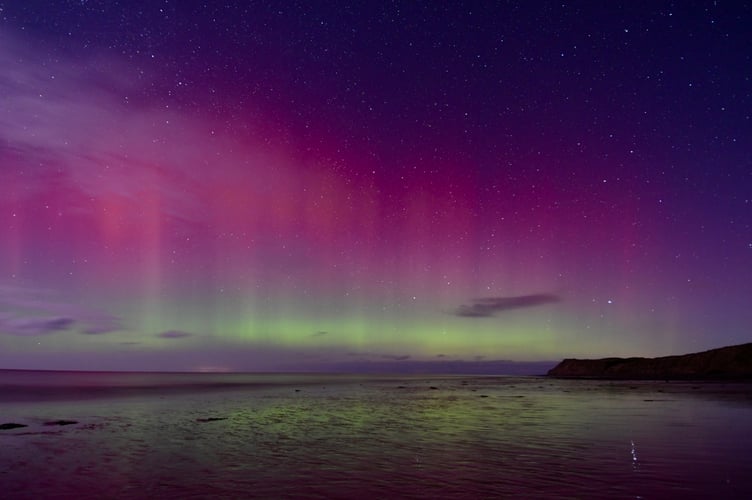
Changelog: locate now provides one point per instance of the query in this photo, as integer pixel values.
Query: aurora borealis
(273, 186)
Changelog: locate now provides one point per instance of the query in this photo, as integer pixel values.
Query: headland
(725, 363)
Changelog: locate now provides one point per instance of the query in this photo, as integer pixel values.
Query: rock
(733, 362)
(210, 419)
(61, 422)
(11, 425)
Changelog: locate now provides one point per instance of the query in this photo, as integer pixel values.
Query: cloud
(37, 311)
(395, 357)
(374, 356)
(34, 326)
(174, 334)
(488, 306)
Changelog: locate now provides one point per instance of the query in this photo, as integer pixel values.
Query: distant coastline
(363, 367)
(725, 363)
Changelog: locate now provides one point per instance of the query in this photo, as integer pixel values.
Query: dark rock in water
(210, 419)
(61, 422)
(11, 425)
(733, 362)
(434, 388)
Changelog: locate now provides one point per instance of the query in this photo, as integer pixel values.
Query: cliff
(733, 362)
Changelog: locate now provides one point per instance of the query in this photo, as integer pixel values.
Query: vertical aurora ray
(268, 203)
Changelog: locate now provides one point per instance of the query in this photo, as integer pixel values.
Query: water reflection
(398, 437)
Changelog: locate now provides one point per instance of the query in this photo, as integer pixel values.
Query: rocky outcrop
(210, 419)
(61, 422)
(733, 362)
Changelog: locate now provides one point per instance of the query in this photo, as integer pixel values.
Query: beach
(344, 436)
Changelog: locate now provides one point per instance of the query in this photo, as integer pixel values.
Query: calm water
(145, 435)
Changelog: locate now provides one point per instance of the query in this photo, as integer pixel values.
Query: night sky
(349, 185)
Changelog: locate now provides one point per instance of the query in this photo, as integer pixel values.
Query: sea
(144, 435)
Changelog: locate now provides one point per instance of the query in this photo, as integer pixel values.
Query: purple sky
(266, 186)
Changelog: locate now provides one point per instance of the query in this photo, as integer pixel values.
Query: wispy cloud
(373, 356)
(489, 306)
(34, 311)
(174, 334)
(395, 357)
(34, 326)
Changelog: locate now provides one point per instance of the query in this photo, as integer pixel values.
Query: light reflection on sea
(145, 435)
